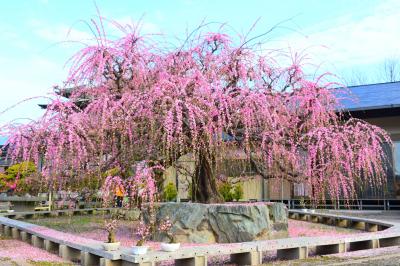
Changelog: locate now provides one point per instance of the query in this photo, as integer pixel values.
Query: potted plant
(111, 223)
(165, 227)
(111, 244)
(143, 231)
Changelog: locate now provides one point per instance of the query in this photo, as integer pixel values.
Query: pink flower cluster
(143, 232)
(111, 225)
(143, 185)
(165, 225)
(109, 187)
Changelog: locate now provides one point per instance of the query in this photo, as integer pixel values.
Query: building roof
(373, 97)
(66, 93)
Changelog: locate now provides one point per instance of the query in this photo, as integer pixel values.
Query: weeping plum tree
(135, 99)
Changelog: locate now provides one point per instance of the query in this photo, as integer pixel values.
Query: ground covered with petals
(14, 252)
(92, 227)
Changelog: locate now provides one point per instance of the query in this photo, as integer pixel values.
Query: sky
(37, 37)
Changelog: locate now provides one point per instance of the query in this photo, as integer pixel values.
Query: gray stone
(279, 216)
(129, 215)
(223, 223)
(132, 215)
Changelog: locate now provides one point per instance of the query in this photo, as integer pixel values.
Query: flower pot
(169, 247)
(139, 250)
(111, 246)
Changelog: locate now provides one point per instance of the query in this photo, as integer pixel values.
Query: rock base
(128, 215)
(224, 223)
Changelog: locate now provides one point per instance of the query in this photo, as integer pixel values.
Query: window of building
(396, 161)
(301, 190)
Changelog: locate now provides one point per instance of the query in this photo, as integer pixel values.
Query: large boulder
(223, 223)
(129, 215)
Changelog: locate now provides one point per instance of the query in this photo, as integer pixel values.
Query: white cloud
(144, 26)
(61, 33)
(8, 35)
(23, 80)
(352, 40)
(34, 74)
(57, 33)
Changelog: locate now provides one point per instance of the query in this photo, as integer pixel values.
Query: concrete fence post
(26, 237)
(7, 231)
(37, 241)
(69, 253)
(342, 222)
(247, 258)
(361, 245)
(358, 225)
(88, 259)
(195, 261)
(51, 246)
(15, 233)
(330, 249)
(371, 227)
(292, 253)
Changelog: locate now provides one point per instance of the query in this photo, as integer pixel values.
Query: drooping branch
(208, 97)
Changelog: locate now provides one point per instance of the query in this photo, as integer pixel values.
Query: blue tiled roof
(373, 96)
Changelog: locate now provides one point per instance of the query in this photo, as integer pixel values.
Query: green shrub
(229, 192)
(225, 191)
(170, 192)
(22, 171)
(238, 192)
(112, 172)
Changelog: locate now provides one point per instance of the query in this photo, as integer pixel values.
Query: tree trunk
(111, 236)
(204, 187)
